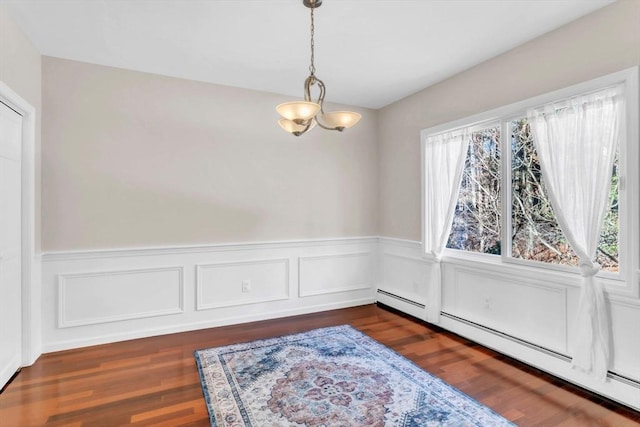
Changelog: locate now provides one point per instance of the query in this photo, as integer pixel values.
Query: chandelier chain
(312, 67)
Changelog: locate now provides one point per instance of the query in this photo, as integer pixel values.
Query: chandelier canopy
(299, 117)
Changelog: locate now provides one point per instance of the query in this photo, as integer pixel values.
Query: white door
(10, 243)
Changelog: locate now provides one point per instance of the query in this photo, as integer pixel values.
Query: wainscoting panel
(405, 276)
(625, 321)
(95, 297)
(333, 273)
(524, 312)
(532, 311)
(109, 296)
(236, 283)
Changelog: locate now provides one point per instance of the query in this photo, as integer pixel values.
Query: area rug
(328, 377)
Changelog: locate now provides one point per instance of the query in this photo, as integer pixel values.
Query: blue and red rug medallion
(329, 377)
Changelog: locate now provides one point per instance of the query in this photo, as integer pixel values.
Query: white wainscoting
(334, 273)
(405, 276)
(227, 284)
(523, 312)
(95, 297)
(110, 296)
(529, 309)
(625, 324)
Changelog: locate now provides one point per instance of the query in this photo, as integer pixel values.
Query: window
(503, 208)
(477, 217)
(535, 233)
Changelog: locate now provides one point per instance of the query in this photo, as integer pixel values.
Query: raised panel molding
(541, 341)
(221, 284)
(405, 276)
(111, 296)
(335, 273)
(532, 311)
(625, 313)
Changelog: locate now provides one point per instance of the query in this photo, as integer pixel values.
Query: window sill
(564, 275)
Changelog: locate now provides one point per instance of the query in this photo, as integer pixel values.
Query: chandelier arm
(320, 84)
(307, 127)
(308, 84)
(310, 81)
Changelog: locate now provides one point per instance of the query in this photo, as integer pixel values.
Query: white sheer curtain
(576, 142)
(444, 157)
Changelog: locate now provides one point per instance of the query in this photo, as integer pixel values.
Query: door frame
(31, 263)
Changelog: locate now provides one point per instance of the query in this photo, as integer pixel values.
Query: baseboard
(8, 372)
(400, 303)
(106, 339)
(618, 388)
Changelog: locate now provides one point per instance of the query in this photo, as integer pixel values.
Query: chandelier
(301, 116)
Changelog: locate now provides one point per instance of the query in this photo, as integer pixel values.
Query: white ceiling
(368, 52)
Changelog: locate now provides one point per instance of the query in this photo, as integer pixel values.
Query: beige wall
(134, 159)
(20, 69)
(138, 160)
(603, 42)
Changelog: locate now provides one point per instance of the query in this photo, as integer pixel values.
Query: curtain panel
(576, 141)
(444, 158)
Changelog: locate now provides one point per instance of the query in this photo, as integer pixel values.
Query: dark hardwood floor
(154, 381)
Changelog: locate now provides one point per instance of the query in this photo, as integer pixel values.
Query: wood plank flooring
(154, 381)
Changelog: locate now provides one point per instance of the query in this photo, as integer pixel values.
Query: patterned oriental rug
(329, 377)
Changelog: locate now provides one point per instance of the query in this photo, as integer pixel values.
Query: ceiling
(369, 53)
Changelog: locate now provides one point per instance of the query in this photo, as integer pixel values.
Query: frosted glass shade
(340, 119)
(293, 127)
(298, 110)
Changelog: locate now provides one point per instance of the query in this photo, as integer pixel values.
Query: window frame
(629, 221)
